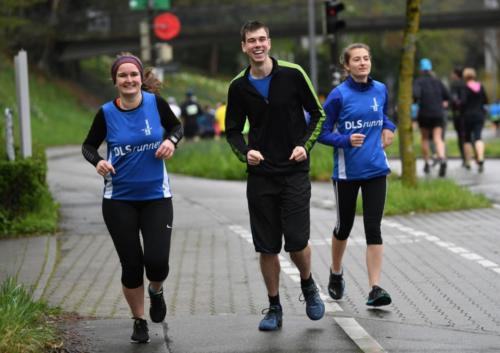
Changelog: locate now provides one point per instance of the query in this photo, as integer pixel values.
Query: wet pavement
(442, 270)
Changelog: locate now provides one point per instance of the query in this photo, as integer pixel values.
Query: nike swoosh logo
(169, 226)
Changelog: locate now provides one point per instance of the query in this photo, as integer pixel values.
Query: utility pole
(491, 55)
(23, 102)
(313, 60)
(150, 16)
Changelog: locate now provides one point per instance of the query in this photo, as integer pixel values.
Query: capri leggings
(472, 130)
(153, 219)
(373, 193)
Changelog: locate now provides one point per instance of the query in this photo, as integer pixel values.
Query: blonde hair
(469, 74)
(346, 53)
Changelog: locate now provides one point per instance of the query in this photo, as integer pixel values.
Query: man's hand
(104, 168)
(254, 157)
(357, 140)
(387, 137)
(299, 154)
(166, 150)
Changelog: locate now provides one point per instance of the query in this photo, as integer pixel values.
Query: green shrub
(26, 205)
(21, 185)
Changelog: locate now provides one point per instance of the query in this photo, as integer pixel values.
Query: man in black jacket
(432, 98)
(272, 95)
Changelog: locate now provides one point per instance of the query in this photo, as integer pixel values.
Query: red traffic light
(332, 9)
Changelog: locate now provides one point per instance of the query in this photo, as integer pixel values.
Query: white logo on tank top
(147, 130)
(375, 105)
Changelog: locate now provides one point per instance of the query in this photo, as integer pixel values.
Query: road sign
(143, 4)
(166, 26)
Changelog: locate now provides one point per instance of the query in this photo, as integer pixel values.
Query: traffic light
(332, 9)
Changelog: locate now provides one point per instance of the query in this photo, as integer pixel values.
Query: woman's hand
(357, 140)
(387, 137)
(166, 150)
(103, 168)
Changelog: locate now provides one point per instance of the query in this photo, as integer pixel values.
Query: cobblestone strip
(98, 308)
(92, 283)
(174, 297)
(47, 268)
(75, 284)
(62, 279)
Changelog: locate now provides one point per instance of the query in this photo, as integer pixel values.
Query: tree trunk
(405, 94)
(47, 58)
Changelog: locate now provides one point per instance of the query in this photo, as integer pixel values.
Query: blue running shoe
(273, 319)
(336, 286)
(315, 308)
(378, 297)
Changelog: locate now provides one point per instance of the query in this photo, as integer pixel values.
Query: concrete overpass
(100, 34)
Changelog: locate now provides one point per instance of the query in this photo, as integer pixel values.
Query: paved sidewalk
(443, 283)
(29, 260)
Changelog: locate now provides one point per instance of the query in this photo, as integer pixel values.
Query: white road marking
(463, 252)
(351, 327)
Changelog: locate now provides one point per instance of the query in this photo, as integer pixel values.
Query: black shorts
(473, 130)
(430, 122)
(279, 207)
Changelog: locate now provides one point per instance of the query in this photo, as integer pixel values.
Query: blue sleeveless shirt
(133, 137)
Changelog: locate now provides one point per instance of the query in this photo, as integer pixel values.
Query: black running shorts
(279, 207)
(430, 122)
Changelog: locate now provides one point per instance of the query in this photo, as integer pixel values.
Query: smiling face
(359, 64)
(128, 80)
(256, 45)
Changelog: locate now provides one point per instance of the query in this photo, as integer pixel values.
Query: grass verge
(214, 159)
(434, 195)
(26, 325)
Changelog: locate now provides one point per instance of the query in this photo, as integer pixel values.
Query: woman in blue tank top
(357, 127)
(141, 132)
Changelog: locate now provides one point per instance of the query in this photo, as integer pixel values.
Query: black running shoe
(378, 297)
(140, 334)
(427, 168)
(158, 308)
(442, 169)
(336, 286)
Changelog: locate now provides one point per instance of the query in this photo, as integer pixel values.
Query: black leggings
(153, 218)
(373, 192)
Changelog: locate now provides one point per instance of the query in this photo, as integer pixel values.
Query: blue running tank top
(132, 139)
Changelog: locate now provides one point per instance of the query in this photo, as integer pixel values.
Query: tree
(22, 24)
(405, 94)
